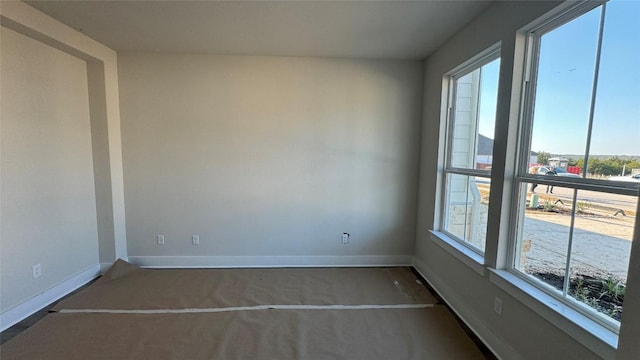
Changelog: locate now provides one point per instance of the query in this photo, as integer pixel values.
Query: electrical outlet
(195, 239)
(345, 238)
(497, 305)
(160, 239)
(36, 270)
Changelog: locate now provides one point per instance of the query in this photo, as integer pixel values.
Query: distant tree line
(609, 167)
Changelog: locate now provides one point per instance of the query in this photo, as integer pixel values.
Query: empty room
(319, 179)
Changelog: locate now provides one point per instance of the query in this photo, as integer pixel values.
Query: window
(579, 149)
(471, 103)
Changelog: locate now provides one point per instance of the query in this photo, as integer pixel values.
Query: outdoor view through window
(584, 116)
(472, 107)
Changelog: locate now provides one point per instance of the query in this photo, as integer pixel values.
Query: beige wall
(47, 188)
(60, 132)
(266, 156)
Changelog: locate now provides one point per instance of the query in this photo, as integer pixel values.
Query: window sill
(465, 255)
(578, 326)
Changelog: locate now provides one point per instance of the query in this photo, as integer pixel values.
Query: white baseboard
(25, 309)
(498, 347)
(269, 261)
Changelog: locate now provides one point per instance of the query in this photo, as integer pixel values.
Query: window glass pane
(489, 74)
(603, 231)
(616, 124)
(563, 91)
(475, 101)
(593, 246)
(467, 202)
(544, 235)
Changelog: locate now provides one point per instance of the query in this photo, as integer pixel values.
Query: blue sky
(489, 96)
(565, 78)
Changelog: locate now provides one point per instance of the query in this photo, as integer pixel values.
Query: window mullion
(524, 141)
(565, 286)
(470, 172)
(448, 149)
(594, 91)
(450, 125)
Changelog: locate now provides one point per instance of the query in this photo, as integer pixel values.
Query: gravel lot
(600, 243)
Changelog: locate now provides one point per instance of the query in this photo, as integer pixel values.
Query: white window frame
(467, 250)
(522, 177)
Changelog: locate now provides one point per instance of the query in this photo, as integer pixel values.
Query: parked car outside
(543, 170)
(632, 178)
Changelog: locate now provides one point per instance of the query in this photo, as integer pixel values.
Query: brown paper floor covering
(126, 286)
(422, 333)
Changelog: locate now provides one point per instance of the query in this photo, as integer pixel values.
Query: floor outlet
(345, 238)
(195, 239)
(160, 239)
(36, 270)
(497, 306)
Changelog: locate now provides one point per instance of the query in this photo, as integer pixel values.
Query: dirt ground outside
(600, 248)
(601, 241)
(598, 255)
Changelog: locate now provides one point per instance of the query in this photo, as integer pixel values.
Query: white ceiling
(355, 29)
